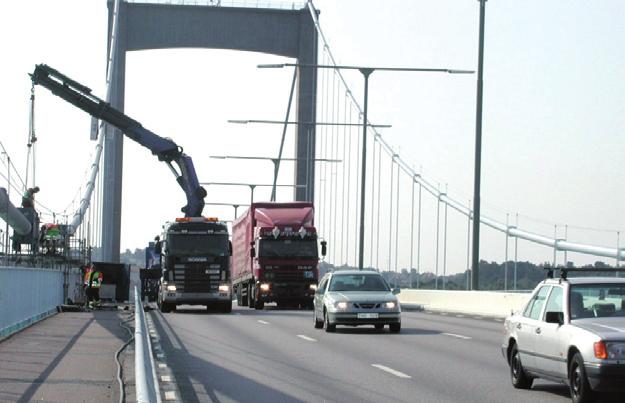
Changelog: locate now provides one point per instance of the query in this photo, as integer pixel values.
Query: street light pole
(366, 72)
(478, 156)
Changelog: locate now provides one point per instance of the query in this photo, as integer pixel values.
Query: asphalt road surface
(277, 356)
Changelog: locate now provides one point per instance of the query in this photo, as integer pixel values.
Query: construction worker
(28, 200)
(92, 283)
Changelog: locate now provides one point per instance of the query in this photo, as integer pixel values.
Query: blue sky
(554, 109)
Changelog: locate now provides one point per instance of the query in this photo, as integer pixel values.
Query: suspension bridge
(376, 207)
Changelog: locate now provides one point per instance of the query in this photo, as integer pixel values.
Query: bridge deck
(67, 357)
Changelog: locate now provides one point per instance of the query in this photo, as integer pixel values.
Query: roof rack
(565, 270)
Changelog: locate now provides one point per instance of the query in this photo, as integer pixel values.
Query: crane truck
(275, 255)
(194, 246)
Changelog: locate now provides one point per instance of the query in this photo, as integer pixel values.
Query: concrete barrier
(486, 303)
(28, 295)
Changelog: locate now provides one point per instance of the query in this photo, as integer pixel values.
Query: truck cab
(195, 264)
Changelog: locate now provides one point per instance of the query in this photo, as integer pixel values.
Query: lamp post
(276, 165)
(478, 156)
(366, 72)
(252, 186)
(235, 205)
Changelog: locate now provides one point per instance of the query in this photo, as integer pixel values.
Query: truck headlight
(171, 288)
(390, 305)
(313, 287)
(341, 305)
(264, 287)
(224, 288)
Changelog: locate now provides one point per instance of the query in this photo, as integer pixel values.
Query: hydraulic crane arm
(165, 149)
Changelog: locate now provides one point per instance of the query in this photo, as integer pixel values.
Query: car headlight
(341, 305)
(313, 287)
(264, 287)
(616, 351)
(171, 288)
(224, 288)
(390, 305)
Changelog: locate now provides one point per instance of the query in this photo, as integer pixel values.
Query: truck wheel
(238, 291)
(259, 305)
(227, 308)
(250, 295)
(165, 308)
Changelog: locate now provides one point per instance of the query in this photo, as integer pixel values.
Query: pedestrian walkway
(69, 357)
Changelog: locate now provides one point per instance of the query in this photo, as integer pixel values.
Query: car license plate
(367, 316)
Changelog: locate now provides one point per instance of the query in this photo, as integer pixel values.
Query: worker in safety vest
(92, 283)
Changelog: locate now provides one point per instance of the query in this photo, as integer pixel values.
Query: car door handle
(518, 325)
(537, 330)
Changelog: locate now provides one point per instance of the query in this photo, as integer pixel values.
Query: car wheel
(227, 308)
(328, 327)
(318, 324)
(519, 377)
(379, 326)
(394, 327)
(578, 382)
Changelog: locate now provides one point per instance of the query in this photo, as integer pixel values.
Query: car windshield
(358, 282)
(195, 244)
(597, 300)
(288, 248)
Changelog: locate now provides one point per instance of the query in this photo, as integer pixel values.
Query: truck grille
(194, 278)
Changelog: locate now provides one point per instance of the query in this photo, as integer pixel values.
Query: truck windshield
(195, 244)
(288, 248)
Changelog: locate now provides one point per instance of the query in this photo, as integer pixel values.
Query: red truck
(275, 255)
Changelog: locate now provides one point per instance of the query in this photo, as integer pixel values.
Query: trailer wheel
(259, 305)
(250, 295)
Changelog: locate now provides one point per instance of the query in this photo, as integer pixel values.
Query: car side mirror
(252, 252)
(230, 247)
(396, 290)
(324, 248)
(554, 317)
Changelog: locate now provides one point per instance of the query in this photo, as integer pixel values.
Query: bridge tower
(144, 26)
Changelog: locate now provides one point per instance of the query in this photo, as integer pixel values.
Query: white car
(570, 331)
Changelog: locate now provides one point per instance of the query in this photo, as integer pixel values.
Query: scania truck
(275, 255)
(196, 264)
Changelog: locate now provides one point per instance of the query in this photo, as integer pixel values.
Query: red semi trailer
(275, 255)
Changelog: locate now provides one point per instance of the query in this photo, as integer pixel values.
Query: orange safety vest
(93, 277)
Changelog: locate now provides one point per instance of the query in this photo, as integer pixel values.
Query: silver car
(354, 298)
(570, 331)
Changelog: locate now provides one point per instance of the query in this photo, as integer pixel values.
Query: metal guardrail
(146, 382)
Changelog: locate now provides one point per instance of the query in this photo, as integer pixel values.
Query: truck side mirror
(324, 248)
(230, 247)
(252, 252)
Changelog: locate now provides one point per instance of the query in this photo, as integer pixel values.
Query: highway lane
(277, 355)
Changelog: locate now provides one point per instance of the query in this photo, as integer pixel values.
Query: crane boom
(165, 149)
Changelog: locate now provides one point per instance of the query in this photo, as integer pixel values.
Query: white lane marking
(498, 320)
(459, 316)
(160, 356)
(457, 335)
(391, 371)
(301, 336)
(165, 378)
(444, 313)
(263, 322)
(162, 365)
(237, 313)
(170, 395)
